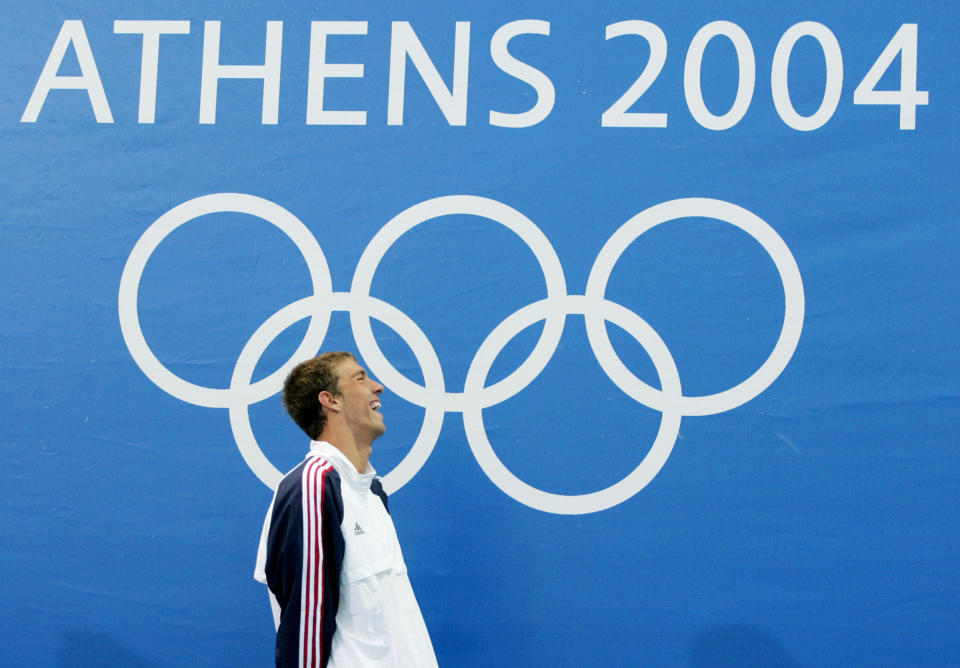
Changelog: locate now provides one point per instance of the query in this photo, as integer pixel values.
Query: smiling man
(329, 553)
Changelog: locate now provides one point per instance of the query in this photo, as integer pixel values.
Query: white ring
(445, 206)
(147, 244)
(792, 292)
(307, 307)
(653, 461)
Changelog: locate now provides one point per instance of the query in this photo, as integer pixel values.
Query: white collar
(343, 465)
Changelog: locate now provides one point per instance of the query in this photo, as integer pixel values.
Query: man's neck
(356, 451)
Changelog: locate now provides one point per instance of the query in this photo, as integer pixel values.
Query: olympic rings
(476, 395)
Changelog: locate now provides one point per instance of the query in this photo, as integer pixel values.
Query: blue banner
(663, 297)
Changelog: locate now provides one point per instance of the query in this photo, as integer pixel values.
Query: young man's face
(360, 397)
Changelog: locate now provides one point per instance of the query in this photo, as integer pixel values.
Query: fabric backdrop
(663, 295)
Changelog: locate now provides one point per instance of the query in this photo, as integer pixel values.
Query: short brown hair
(303, 385)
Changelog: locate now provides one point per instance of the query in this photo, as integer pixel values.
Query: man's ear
(328, 400)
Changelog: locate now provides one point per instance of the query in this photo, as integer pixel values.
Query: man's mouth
(375, 405)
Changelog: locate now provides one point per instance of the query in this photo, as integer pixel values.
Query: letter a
(72, 32)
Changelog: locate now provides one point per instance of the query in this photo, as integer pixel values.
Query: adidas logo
(358, 530)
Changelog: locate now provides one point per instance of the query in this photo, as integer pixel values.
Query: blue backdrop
(663, 294)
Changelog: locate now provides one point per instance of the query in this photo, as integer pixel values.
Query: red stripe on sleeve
(312, 564)
(306, 566)
(320, 567)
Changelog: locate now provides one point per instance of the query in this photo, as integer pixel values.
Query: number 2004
(903, 43)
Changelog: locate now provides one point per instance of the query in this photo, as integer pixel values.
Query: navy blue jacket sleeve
(304, 560)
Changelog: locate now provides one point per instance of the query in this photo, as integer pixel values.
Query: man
(328, 552)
